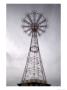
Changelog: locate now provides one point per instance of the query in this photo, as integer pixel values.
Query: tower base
(33, 84)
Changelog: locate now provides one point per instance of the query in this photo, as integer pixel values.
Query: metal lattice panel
(34, 68)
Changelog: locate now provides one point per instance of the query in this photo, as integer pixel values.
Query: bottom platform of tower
(34, 83)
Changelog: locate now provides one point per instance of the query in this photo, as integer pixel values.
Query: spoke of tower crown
(41, 30)
(34, 17)
(43, 26)
(29, 17)
(26, 21)
(40, 15)
(27, 30)
(42, 21)
(38, 33)
(30, 33)
(24, 26)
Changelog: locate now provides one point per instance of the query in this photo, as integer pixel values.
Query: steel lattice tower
(34, 74)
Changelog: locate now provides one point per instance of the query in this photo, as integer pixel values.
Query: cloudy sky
(18, 42)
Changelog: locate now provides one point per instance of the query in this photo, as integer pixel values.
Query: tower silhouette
(34, 75)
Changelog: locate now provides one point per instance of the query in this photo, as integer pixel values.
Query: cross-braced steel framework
(34, 74)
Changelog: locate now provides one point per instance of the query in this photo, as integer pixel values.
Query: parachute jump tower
(34, 75)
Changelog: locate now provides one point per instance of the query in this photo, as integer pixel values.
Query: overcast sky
(18, 42)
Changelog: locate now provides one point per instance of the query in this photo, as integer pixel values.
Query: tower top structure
(34, 22)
